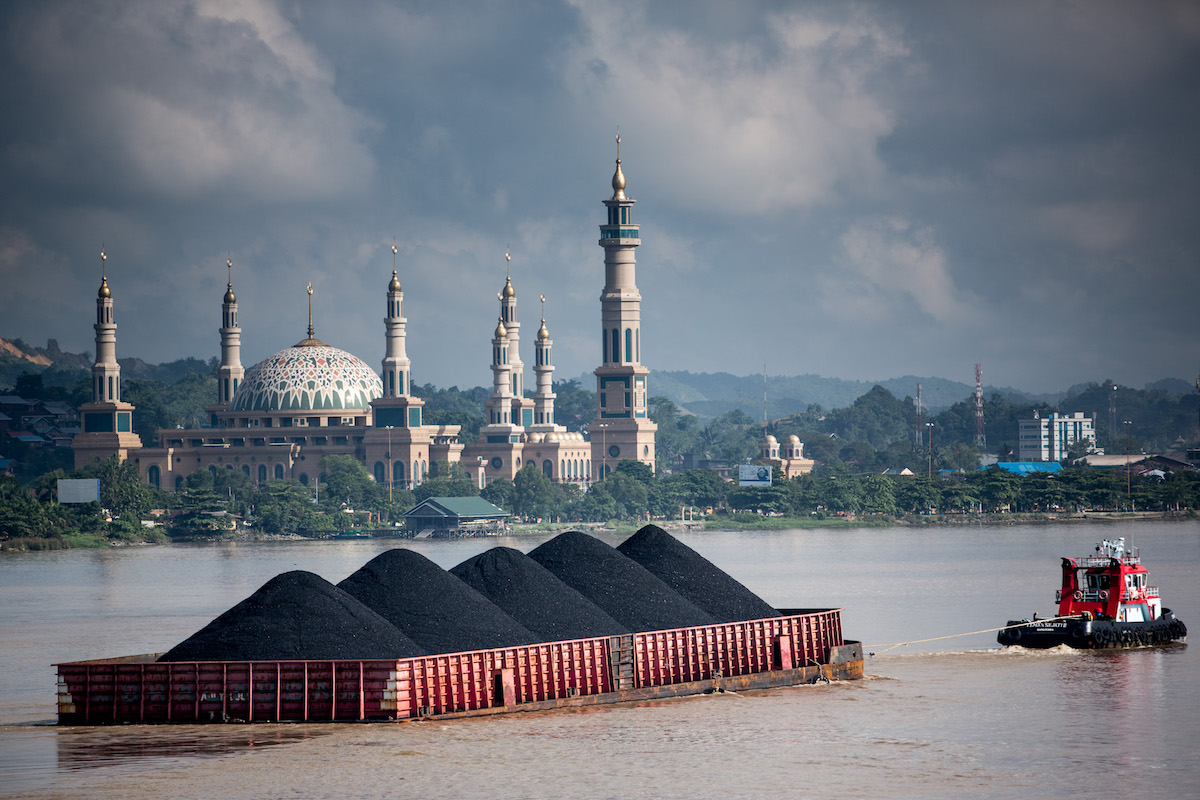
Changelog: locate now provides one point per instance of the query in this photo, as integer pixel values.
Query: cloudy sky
(857, 190)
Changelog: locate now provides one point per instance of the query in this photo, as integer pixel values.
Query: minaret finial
(310, 325)
(507, 264)
(105, 292)
(618, 180)
(229, 266)
(393, 255)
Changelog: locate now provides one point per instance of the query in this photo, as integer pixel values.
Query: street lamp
(391, 477)
(1128, 479)
(481, 476)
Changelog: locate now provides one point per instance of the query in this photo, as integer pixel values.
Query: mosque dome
(508, 290)
(230, 297)
(394, 286)
(501, 331)
(308, 378)
(104, 292)
(543, 332)
(794, 439)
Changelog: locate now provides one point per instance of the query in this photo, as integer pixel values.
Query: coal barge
(1105, 601)
(360, 665)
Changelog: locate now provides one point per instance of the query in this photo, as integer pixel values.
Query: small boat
(1105, 601)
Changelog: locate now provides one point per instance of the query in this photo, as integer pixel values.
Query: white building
(1049, 438)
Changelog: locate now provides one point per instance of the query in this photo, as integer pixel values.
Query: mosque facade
(280, 417)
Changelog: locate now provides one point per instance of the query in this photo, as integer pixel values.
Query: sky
(855, 190)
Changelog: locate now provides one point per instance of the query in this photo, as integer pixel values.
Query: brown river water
(941, 715)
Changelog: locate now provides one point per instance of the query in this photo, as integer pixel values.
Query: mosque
(280, 417)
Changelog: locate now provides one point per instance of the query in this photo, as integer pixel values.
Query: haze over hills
(707, 395)
(710, 395)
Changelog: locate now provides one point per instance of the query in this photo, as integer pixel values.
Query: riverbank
(748, 522)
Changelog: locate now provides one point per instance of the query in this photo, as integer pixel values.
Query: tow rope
(887, 647)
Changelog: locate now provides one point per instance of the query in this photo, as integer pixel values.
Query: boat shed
(454, 516)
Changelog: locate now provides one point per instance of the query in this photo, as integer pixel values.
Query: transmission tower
(918, 437)
(980, 438)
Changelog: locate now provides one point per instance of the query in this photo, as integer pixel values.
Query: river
(942, 715)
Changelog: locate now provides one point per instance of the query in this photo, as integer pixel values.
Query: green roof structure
(453, 516)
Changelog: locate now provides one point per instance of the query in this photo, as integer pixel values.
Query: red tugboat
(1105, 601)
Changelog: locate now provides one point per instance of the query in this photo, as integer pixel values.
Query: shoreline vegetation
(736, 522)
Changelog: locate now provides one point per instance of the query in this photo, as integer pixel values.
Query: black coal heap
(535, 597)
(296, 616)
(694, 577)
(432, 607)
(623, 588)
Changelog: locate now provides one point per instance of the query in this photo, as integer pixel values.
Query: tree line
(347, 497)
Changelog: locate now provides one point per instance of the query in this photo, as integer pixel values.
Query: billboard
(79, 491)
(754, 475)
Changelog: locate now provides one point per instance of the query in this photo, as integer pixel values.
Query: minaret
(106, 423)
(396, 366)
(622, 428)
(106, 372)
(521, 412)
(543, 369)
(230, 373)
(499, 405)
(398, 446)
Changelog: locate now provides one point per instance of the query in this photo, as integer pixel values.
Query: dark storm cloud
(859, 190)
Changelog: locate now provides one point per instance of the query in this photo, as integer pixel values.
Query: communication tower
(980, 438)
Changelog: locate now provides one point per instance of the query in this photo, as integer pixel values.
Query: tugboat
(1104, 602)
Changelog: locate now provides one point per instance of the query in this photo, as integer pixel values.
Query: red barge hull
(803, 646)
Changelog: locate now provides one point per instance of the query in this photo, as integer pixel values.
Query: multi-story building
(1049, 438)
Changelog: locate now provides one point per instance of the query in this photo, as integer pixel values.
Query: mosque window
(616, 346)
(604, 341)
(628, 345)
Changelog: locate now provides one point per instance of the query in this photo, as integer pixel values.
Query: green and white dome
(308, 378)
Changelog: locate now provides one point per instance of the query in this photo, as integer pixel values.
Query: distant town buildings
(789, 456)
(1049, 438)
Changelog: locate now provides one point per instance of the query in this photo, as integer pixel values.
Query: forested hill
(713, 394)
(709, 395)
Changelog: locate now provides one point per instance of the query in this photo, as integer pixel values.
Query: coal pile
(535, 597)
(694, 577)
(432, 607)
(296, 616)
(623, 588)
